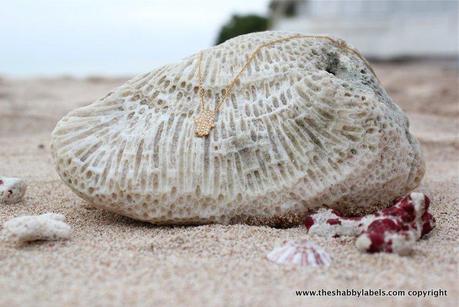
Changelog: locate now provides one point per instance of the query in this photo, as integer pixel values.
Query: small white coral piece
(302, 253)
(48, 226)
(12, 190)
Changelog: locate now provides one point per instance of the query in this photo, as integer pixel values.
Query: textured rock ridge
(307, 125)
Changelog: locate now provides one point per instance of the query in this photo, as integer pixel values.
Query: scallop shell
(307, 125)
(302, 253)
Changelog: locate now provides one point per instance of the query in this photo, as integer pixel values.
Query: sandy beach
(115, 261)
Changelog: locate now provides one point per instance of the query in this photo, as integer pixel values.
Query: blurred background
(109, 37)
(115, 37)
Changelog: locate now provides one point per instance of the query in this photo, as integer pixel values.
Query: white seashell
(303, 253)
(12, 190)
(48, 226)
(307, 125)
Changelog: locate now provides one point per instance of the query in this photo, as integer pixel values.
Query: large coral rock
(307, 125)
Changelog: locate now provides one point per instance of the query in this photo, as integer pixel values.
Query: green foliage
(242, 24)
(290, 9)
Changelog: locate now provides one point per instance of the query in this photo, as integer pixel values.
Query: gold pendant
(204, 122)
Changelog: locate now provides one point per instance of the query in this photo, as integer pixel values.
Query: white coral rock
(48, 226)
(307, 124)
(12, 190)
(301, 253)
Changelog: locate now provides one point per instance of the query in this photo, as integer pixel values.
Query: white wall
(382, 29)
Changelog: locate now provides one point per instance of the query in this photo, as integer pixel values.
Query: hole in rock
(332, 63)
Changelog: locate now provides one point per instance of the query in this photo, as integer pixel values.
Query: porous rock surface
(307, 125)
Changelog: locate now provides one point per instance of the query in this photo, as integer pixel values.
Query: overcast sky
(87, 37)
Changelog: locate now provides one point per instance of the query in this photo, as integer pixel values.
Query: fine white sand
(115, 261)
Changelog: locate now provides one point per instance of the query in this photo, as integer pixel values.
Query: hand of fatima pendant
(204, 122)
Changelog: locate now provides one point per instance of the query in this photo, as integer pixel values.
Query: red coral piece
(334, 221)
(428, 223)
(394, 229)
(308, 222)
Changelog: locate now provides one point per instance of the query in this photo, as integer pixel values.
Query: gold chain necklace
(205, 120)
